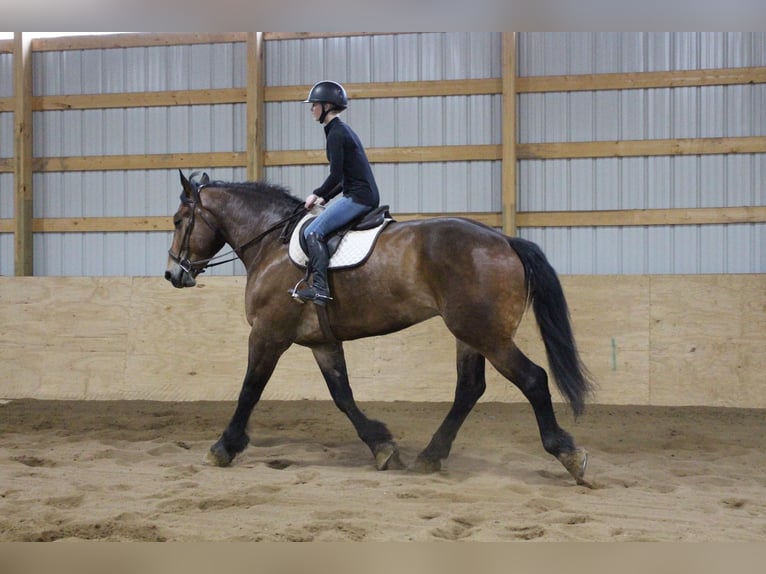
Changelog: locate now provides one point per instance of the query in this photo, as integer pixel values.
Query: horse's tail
(552, 314)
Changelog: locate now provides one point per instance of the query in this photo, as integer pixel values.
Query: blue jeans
(339, 213)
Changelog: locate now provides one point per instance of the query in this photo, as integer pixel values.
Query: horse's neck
(242, 221)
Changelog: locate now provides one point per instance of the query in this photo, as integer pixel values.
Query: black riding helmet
(328, 92)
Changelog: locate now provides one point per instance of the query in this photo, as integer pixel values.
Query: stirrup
(294, 292)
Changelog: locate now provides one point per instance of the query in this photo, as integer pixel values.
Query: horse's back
(454, 267)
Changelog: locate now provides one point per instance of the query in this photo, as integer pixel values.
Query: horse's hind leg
(375, 434)
(470, 386)
(532, 380)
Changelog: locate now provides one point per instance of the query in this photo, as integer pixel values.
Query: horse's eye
(176, 222)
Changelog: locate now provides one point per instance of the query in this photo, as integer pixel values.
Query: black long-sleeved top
(350, 170)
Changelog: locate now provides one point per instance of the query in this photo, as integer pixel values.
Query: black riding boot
(319, 291)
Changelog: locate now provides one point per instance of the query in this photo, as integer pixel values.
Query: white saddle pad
(354, 248)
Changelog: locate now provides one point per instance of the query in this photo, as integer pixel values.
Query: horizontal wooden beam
(608, 218)
(641, 80)
(415, 154)
(638, 148)
(131, 162)
(428, 88)
(320, 35)
(643, 217)
(140, 99)
(139, 40)
(392, 155)
(6, 165)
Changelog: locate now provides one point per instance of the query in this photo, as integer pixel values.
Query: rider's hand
(312, 200)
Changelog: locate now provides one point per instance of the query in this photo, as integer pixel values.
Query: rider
(350, 173)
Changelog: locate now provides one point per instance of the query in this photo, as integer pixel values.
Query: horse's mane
(279, 194)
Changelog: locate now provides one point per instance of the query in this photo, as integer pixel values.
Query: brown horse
(477, 279)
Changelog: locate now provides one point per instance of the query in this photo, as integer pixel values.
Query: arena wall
(648, 340)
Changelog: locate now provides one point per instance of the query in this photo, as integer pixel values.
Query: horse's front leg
(262, 359)
(375, 434)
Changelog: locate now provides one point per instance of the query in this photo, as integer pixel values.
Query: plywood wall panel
(660, 340)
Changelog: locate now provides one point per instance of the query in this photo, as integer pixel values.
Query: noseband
(194, 268)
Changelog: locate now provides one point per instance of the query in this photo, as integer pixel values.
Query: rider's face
(316, 110)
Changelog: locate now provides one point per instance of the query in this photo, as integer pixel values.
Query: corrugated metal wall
(644, 183)
(180, 129)
(706, 181)
(6, 151)
(388, 122)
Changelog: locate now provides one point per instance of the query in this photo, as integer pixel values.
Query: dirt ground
(134, 471)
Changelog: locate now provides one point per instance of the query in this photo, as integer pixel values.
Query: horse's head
(196, 238)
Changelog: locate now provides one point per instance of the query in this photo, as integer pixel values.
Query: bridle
(198, 266)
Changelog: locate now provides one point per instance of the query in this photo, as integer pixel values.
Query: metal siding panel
(531, 116)
(658, 52)
(686, 183)
(136, 69)
(684, 113)
(607, 118)
(582, 116)
(239, 67)
(6, 75)
(481, 186)
(555, 48)
(456, 55)
(713, 248)
(556, 190)
(6, 134)
(113, 71)
(408, 65)
(607, 190)
(659, 113)
(555, 117)
(608, 52)
(659, 190)
(739, 185)
(660, 247)
(712, 121)
(359, 59)
(685, 53)
(633, 183)
(455, 187)
(409, 188)
(632, 118)
(580, 185)
(530, 54)
(336, 59)
(634, 252)
(608, 251)
(431, 57)
(383, 59)
(383, 128)
(712, 49)
(581, 54)
(431, 195)
(633, 45)
(685, 253)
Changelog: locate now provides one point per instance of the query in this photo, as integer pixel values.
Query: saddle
(348, 246)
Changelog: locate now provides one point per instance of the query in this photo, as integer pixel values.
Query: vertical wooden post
(22, 152)
(509, 191)
(255, 106)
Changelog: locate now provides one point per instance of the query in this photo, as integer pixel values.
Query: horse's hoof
(424, 465)
(576, 462)
(218, 456)
(387, 457)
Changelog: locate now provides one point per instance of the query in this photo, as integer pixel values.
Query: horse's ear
(204, 180)
(185, 184)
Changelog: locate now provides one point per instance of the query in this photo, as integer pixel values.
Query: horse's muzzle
(179, 277)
